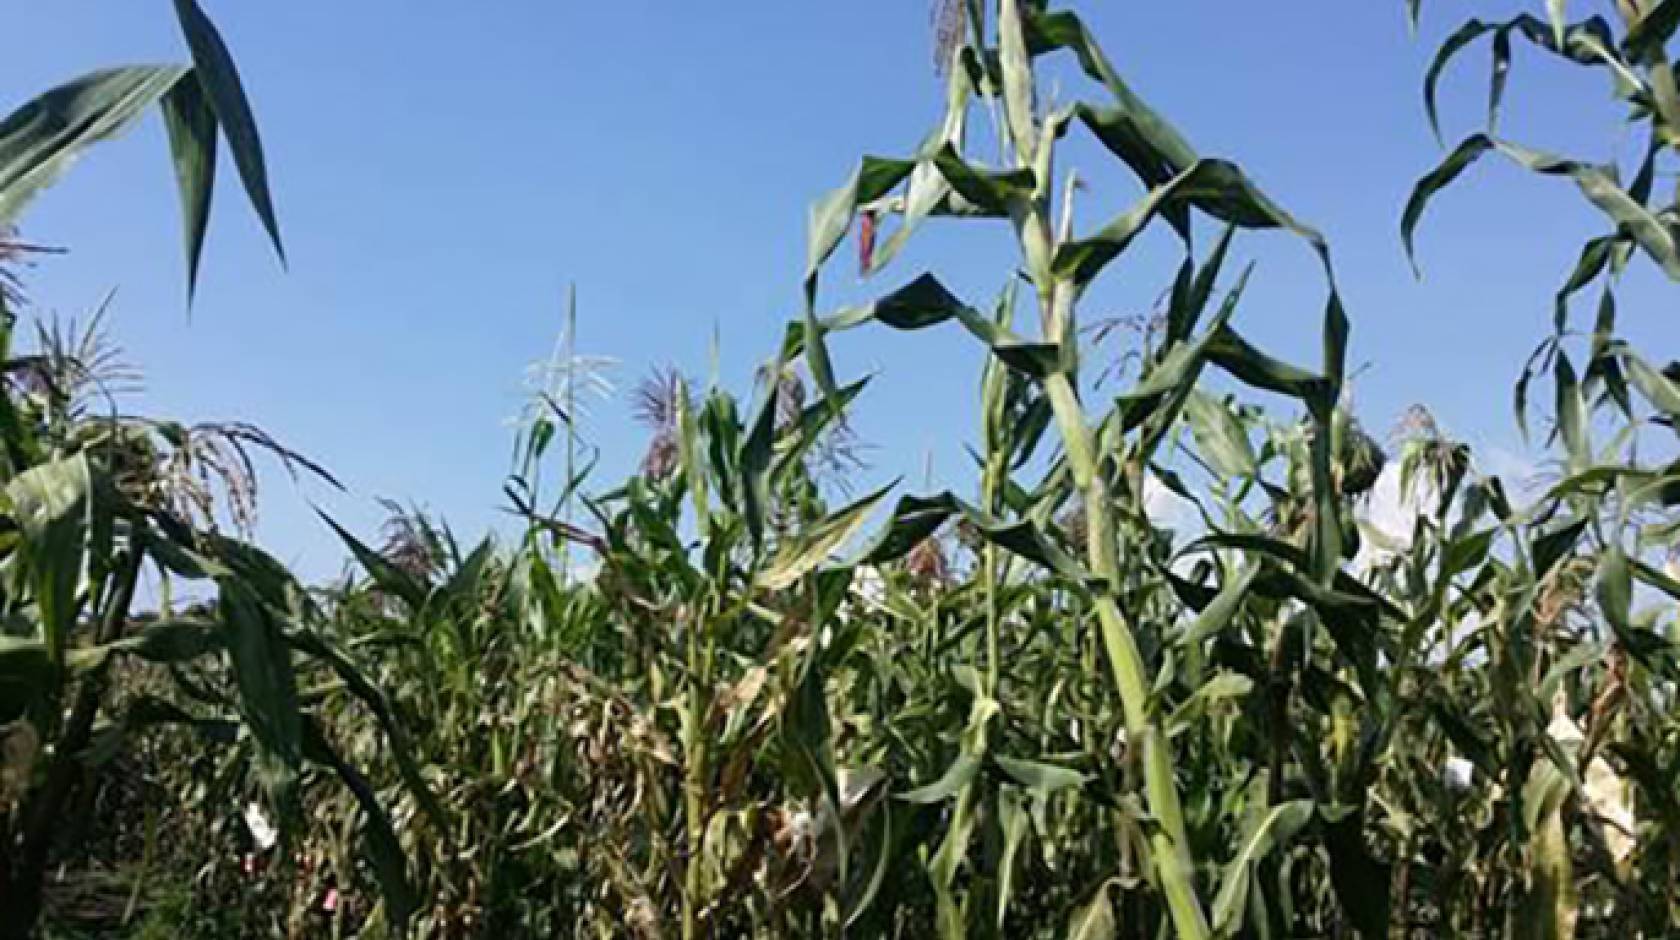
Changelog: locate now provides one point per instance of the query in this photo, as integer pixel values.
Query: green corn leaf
(1041, 778)
(213, 68)
(1275, 828)
(805, 554)
(1463, 36)
(267, 683)
(379, 842)
(191, 123)
(1217, 615)
(1185, 310)
(40, 140)
(955, 777)
(52, 504)
(1013, 820)
(915, 518)
(1571, 415)
(753, 462)
(1215, 187)
(1361, 882)
(1596, 183)
(1615, 590)
(1236, 355)
(387, 576)
(1223, 686)
(1595, 257)
(1656, 579)
(1658, 389)
(1221, 438)
(989, 191)
(402, 747)
(831, 216)
(1467, 152)
(1648, 37)
(1501, 65)
(1469, 742)
(27, 675)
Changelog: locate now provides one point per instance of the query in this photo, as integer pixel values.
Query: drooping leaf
(214, 69)
(1596, 183)
(1275, 828)
(1039, 777)
(379, 842)
(40, 140)
(1218, 613)
(799, 557)
(191, 123)
(955, 777)
(267, 682)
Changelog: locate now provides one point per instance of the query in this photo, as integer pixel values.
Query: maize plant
(729, 697)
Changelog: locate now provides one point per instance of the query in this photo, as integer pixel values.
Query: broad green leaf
(1595, 257)
(1224, 685)
(924, 303)
(957, 776)
(192, 143)
(1662, 392)
(52, 503)
(402, 747)
(1467, 152)
(1571, 415)
(915, 518)
(1039, 777)
(214, 69)
(1236, 355)
(831, 216)
(267, 683)
(1501, 75)
(1218, 613)
(1215, 187)
(799, 557)
(1221, 438)
(1275, 828)
(991, 191)
(40, 140)
(1615, 590)
(27, 676)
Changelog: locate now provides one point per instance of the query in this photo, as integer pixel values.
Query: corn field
(730, 696)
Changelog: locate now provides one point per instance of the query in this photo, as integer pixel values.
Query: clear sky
(443, 170)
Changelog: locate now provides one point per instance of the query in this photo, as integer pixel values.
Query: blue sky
(443, 170)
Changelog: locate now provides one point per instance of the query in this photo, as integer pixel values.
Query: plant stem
(20, 893)
(1170, 846)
